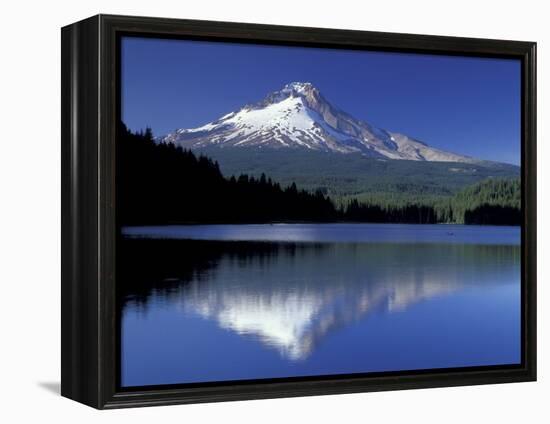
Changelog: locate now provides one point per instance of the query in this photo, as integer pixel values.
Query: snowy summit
(299, 117)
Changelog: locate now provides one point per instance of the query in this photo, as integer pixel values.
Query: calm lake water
(233, 302)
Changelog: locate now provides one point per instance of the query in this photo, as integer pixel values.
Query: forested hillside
(345, 176)
(489, 202)
(162, 184)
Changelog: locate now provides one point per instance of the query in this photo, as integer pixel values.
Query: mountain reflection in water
(291, 296)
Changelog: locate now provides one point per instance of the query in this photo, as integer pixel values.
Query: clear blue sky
(465, 105)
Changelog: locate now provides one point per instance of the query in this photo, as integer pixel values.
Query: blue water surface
(321, 300)
(369, 233)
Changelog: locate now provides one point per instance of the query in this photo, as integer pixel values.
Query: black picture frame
(90, 109)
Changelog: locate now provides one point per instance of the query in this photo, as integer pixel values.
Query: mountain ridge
(299, 117)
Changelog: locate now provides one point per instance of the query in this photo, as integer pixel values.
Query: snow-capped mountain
(299, 117)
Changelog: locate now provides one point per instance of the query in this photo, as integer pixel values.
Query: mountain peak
(299, 117)
(299, 87)
(305, 90)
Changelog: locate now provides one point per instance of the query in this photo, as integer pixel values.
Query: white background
(30, 212)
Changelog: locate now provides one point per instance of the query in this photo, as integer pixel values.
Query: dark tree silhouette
(493, 215)
(161, 183)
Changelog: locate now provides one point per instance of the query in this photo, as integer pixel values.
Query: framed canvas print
(256, 211)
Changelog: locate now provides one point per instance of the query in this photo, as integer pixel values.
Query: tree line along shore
(164, 184)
